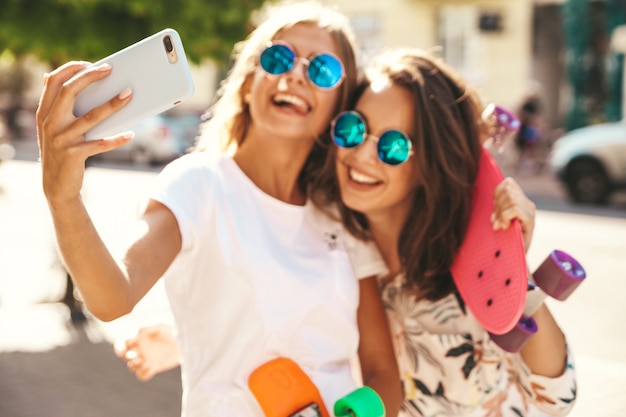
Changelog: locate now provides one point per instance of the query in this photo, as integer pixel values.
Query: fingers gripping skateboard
(283, 389)
(558, 276)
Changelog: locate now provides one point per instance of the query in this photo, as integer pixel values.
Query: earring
(246, 98)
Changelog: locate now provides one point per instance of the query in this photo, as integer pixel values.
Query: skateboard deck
(490, 270)
(283, 389)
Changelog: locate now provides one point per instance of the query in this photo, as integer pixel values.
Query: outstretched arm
(109, 288)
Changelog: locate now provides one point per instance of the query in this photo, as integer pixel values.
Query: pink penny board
(490, 269)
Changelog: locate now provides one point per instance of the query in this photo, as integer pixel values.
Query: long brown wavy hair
(447, 136)
(228, 119)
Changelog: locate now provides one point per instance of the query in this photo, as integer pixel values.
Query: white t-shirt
(257, 279)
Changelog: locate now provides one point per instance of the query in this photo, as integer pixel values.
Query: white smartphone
(157, 71)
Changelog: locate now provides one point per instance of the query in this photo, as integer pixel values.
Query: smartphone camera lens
(167, 41)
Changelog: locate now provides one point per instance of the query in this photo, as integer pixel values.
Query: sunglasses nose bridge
(305, 62)
(373, 138)
(368, 149)
(299, 67)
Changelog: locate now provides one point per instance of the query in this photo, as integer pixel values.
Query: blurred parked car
(591, 162)
(158, 140)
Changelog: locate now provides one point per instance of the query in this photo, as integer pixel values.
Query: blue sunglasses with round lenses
(349, 130)
(324, 70)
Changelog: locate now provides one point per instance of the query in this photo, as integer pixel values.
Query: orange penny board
(282, 388)
(490, 270)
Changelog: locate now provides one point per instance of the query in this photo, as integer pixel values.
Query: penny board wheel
(559, 275)
(490, 269)
(362, 402)
(506, 118)
(504, 122)
(513, 340)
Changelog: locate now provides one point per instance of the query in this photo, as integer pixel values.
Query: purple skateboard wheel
(559, 275)
(504, 123)
(506, 118)
(513, 340)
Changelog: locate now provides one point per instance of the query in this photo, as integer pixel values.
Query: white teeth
(361, 178)
(292, 100)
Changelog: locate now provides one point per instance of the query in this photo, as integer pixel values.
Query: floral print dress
(450, 367)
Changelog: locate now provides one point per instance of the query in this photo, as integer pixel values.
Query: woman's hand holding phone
(157, 71)
(82, 104)
(61, 135)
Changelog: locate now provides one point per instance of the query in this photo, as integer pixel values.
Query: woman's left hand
(510, 203)
(153, 350)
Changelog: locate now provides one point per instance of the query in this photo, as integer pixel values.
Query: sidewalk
(82, 379)
(49, 367)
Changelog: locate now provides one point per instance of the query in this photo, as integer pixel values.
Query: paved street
(50, 368)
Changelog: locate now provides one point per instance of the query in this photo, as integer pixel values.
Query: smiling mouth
(361, 178)
(293, 102)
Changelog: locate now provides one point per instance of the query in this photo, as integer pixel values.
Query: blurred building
(579, 60)
(506, 48)
(488, 41)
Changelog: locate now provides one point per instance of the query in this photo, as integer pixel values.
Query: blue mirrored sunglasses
(349, 130)
(324, 70)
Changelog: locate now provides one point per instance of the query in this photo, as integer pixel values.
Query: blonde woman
(253, 270)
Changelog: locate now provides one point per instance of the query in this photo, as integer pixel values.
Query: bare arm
(109, 288)
(376, 355)
(545, 353)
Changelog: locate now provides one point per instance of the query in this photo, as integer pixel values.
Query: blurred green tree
(60, 30)
(57, 31)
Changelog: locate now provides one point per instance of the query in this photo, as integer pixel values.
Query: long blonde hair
(229, 116)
